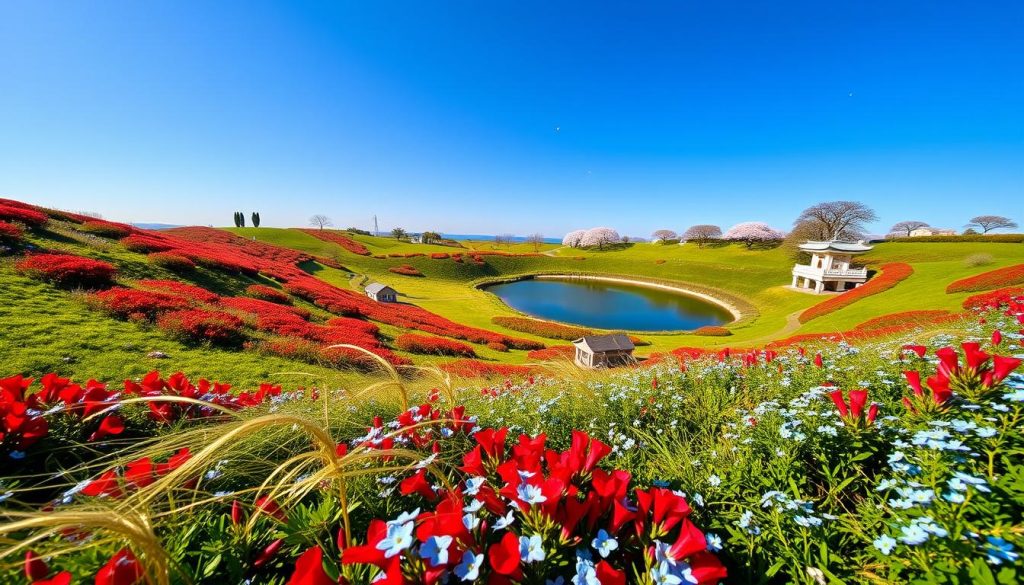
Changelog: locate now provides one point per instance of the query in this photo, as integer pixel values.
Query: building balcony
(822, 274)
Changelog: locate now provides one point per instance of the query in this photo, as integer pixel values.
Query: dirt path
(792, 324)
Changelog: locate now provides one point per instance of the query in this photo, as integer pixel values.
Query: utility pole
(376, 232)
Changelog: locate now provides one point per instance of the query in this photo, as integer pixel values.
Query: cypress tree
(236, 219)
(255, 219)
(241, 219)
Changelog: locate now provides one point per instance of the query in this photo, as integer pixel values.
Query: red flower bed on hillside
(10, 232)
(68, 271)
(440, 255)
(29, 217)
(182, 289)
(265, 293)
(130, 303)
(891, 274)
(469, 368)
(541, 328)
(425, 344)
(201, 325)
(904, 318)
(171, 261)
(405, 270)
(554, 352)
(1000, 277)
(995, 299)
(337, 238)
(106, 229)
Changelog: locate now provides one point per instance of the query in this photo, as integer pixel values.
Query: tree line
(240, 219)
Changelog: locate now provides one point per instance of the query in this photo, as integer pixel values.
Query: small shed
(603, 351)
(381, 293)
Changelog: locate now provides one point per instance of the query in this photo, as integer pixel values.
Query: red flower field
(1000, 277)
(889, 276)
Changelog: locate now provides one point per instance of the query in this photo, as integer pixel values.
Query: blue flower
(885, 544)
(998, 550)
(469, 568)
(531, 549)
(604, 543)
(714, 541)
(914, 535)
(435, 550)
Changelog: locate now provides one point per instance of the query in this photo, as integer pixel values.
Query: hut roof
(611, 342)
(377, 287)
(835, 246)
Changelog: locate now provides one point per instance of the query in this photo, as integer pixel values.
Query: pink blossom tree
(752, 232)
(599, 236)
(572, 239)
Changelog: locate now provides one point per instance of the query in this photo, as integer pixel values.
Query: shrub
(712, 331)
(994, 299)
(998, 278)
(22, 215)
(181, 289)
(106, 229)
(891, 275)
(424, 344)
(136, 304)
(541, 328)
(215, 327)
(469, 368)
(405, 270)
(336, 238)
(497, 346)
(10, 233)
(904, 318)
(265, 293)
(997, 238)
(171, 261)
(145, 243)
(66, 270)
(554, 352)
(975, 260)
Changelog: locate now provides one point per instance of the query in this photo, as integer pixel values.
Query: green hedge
(998, 238)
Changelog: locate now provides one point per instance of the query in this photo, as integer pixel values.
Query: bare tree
(905, 227)
(838, 219)
(321, 221)
(536, 240)
(664, 236)
(702, 234)
(987, 223)
(504, 240)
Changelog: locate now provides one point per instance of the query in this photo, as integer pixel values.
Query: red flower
(607, 574)
(818, 361)
(504, 556)
(852, 414)
(121, 569)
(417, 483)
(105, 485)
(236, 513)
(35, 566)
(110, 425)
(268, 553)
(62, 578)
(309, 569)
(997, 337)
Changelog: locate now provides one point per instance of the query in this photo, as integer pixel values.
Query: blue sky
(443, 115)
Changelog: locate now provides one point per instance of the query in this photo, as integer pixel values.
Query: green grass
(758, 276)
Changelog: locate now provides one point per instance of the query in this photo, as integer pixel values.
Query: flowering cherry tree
(751, 232)
(599, 236)
(572, 239)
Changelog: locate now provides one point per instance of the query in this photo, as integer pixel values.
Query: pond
(609, 305)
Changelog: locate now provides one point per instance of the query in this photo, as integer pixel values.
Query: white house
(601, 351)
(930, 231)
(381, 293)
(830, 268)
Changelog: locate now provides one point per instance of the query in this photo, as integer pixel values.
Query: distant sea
(485, 237)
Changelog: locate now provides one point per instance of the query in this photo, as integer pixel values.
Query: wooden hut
(381, 293)
(604, 351)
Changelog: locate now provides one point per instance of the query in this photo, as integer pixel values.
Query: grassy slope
(759, 276)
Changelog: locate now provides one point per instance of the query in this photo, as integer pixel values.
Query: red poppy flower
(121, 569)
(309, 569)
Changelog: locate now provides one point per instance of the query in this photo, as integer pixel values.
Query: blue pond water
(607, 305)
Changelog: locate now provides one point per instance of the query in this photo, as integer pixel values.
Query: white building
(830, 268)
(604, 351)
(930, 231)
(381, 293)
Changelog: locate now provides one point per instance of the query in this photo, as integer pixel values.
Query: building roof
(377, 287)
(836, 246)
(612, 342)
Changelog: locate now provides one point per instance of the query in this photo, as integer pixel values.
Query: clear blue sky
(442, 115)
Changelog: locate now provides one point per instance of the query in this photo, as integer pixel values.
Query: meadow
(201, 405)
